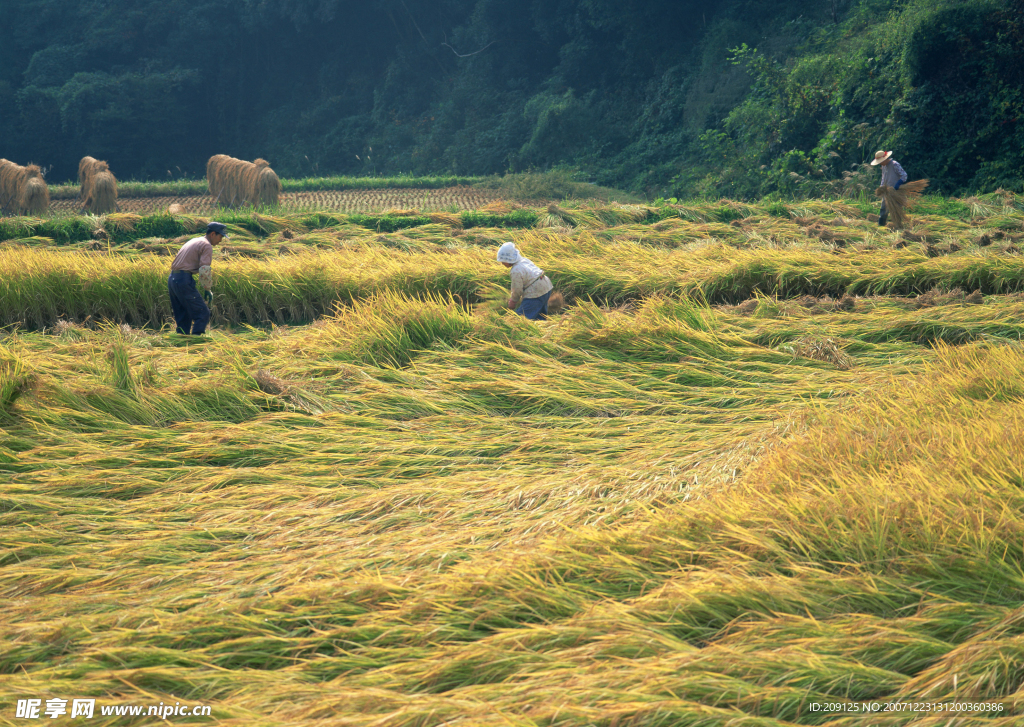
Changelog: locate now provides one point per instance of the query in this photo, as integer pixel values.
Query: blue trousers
(190, 311)
(536, 309)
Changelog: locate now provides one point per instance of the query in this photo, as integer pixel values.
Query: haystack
(235, 182)
(104, 193)
(219, 173)
(265, 186)
(175, 209)
(34, 198)
(899, 201)
(84, 169)
(11, 177)
(22, 189)
(98, 186)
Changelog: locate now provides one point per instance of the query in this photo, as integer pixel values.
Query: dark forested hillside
(667, 97)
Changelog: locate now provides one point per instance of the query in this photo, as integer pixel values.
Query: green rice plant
(14, 379)
(387, 329)
(121, 377)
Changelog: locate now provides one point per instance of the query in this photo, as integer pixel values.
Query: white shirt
(528, 281)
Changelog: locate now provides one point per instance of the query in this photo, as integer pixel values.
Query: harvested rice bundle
(175, 209)
(35, 196)
(234, 182)
(11, 176)
(98, 186)
(446, 218)
(220, 178)
(84, 172)
(266, 187)
(899, 201)
(22, 189)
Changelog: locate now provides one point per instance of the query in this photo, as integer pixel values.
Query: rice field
(764, 470)
(345, 200)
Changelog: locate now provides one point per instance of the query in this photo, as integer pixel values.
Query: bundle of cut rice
(98, 186)
(22, 189)
(899, 201)
(235, 182)
(34, 196)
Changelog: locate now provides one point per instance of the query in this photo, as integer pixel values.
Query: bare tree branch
(467, 55)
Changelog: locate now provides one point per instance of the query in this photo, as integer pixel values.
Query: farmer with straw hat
(892, 176)
(530, 286)
(194, 260)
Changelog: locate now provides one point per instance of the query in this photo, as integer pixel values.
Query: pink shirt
(193, 255)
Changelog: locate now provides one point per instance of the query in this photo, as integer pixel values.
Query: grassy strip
(935, 218)
(124, 227)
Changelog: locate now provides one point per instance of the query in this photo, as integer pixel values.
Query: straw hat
(880, 156)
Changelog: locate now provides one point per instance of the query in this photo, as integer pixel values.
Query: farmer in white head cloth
(892, 176)
(530, 286)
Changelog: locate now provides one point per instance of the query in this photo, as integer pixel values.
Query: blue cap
(219, 228)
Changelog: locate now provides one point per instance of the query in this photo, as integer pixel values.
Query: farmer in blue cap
(194, 260)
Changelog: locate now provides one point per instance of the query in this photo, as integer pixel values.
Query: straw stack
(98, 186)
(235, 182)
(899, 201)
(11, 176)
(262, 184)
(84, 167)
(22, 189)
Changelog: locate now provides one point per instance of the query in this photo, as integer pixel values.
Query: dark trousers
(190, 311)
(883, 215)
(536, 309)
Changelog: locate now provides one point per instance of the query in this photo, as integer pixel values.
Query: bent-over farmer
(531, 288)
(892, 176)
(194, 260)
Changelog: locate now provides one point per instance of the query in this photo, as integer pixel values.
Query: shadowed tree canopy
(662, 96)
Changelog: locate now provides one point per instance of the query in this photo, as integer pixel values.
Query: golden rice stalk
(175, 209)
(556, 303)
(446, 218)
(823, 349)
(121, 221)
(497, 207)
(899, 201)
